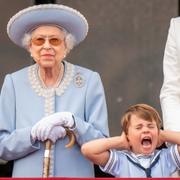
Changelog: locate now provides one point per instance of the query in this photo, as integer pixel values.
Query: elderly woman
(39, 102)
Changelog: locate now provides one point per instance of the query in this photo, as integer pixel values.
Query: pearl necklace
(42, 90)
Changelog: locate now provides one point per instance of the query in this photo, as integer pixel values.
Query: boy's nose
(145, 128)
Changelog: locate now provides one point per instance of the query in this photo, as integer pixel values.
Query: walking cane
(47, 153)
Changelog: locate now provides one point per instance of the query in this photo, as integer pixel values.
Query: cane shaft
(47, 153)
(47, 158)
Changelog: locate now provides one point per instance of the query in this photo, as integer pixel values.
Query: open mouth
(146, 141)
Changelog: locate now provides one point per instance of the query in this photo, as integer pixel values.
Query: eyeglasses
(39, 41)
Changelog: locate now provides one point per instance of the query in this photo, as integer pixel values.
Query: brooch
(79, 80)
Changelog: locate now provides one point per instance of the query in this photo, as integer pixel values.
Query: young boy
(134, 153)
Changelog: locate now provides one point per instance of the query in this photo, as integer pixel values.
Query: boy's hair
(143, 111)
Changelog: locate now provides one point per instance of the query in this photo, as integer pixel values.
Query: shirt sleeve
(110, 164)
(169, 160)
(175, 155)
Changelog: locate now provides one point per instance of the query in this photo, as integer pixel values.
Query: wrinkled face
(47, 46)
(142, 135)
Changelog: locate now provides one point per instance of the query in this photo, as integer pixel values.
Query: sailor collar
(134, 157)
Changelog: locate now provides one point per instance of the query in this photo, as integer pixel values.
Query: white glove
(53, 134)
(56, 133)
(42, 128)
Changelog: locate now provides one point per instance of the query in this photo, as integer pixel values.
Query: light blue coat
(24, 101)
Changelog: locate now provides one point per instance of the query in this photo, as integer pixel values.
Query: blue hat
(54, 14)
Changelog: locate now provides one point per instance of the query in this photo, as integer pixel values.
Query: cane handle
(71, 136)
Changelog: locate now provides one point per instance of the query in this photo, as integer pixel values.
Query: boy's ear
(126, 133)
(127, 137)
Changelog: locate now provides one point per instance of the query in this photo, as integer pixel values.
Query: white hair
(70, 40)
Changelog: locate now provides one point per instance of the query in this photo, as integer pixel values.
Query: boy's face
(142, 135)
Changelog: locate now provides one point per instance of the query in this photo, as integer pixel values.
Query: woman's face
(142, 135)
(47, 46)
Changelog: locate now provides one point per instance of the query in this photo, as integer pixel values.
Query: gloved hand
(42, 128)
(53, 134)
(56, 133)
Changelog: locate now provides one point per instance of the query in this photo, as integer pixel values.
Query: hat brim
(28, 19)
